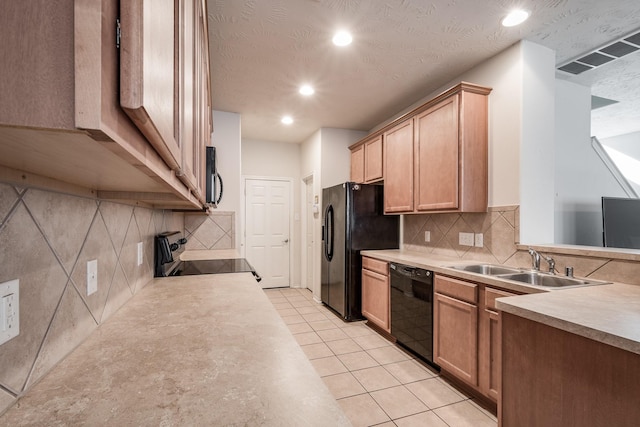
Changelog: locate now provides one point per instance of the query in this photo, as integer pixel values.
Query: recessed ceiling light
(342, 38)
(515, 17)
(306, 90)
(287, 120)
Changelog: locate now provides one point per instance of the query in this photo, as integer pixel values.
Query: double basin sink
(529, 277)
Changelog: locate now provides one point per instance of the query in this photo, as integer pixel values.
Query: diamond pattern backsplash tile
(46, 239)
(8, 197)
(497, 226)
(215, 231)
(501, 234)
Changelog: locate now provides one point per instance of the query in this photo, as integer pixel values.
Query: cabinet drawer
(490, 296)
(376, 265)
(458, 289)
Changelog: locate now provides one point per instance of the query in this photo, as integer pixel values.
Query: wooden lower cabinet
(467, 334)
(375, 292)
(455, 336)
(554, 378)
(489, 343)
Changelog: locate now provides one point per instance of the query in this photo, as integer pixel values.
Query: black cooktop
(214, 266)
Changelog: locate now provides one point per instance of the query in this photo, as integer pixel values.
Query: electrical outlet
(139, 253)
(479, 240)
(465, 239)
(427, 236)
(92, 277)
(9, 310)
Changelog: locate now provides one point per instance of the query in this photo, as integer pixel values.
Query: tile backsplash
(500, 227)
(46, 240)
(213, 231)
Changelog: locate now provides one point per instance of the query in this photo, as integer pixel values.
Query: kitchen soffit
(402, 51)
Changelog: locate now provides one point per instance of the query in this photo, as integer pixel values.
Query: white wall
(226, 139)
(625, 152)
(503, 73)
(581, 178)
(310, 165)
(278, 160)
(537, 172)
(336, 157)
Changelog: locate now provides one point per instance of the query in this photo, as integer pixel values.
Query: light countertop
(607, 313)
(191, 350)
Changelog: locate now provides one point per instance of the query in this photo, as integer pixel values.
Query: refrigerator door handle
(328, 227)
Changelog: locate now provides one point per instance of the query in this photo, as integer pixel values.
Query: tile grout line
(464, 397)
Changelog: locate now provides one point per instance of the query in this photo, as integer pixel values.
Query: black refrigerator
(353, 220)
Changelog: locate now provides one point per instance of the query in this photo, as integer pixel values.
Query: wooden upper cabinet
(357, 164)
(67, 101)
(147, 73)
(434, 158)
(193, 94)
(398, 167)
(184, 72)
(367, 161)
(436, 140)
(474, 149)
(373, 155)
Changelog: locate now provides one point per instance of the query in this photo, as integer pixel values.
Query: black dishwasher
(412, 309)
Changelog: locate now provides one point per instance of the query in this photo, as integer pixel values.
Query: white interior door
(267, 230)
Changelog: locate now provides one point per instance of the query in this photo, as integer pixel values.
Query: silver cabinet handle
(285, 241)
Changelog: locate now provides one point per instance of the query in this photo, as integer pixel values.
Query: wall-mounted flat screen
(621, 222)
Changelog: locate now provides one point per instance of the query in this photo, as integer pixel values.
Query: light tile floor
(375, 382)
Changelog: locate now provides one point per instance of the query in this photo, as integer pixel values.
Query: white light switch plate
(465, 239)
(427, 236)
(9, 310)
(479, 240)
(139, 253)
(92, 277)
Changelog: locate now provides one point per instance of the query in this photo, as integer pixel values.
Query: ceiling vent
(605, 54)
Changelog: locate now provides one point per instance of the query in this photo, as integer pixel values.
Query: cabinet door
(436, 140)
(398, 167)
(186, 117)
(375, 298)
(455, 337)
(493, 357)
(489, 346)
(373, 159)
(357, 164)
(203, 118)
(147, 67)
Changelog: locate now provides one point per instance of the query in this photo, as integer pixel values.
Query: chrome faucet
(535, 261)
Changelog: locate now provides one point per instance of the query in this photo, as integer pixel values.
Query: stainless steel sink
(488, 269)
(549, 280)
(529, 277)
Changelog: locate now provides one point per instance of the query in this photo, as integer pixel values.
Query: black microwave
(213, 186)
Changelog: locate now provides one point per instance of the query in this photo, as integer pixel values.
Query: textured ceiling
(262, 50)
